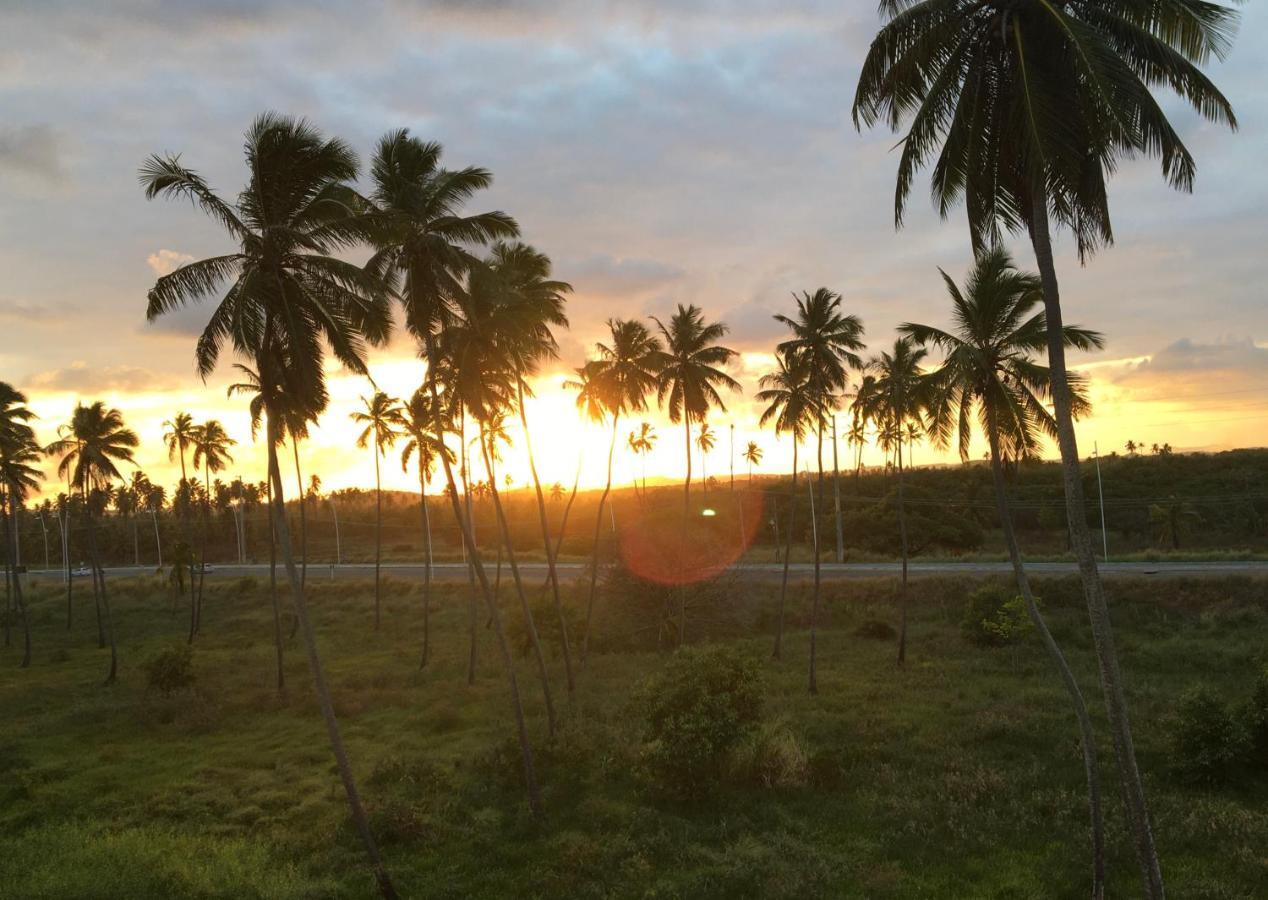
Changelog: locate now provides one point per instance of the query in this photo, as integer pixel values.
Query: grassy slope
(957, 776)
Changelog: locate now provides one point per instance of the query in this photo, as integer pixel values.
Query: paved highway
(453, 571)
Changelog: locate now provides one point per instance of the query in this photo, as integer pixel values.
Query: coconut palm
(18, 476)
(641, 444)
(617, 381)
(790, 407)
(427, 247)
(91, 446)
(706, 440)
(383, 423)
(1032, 106)
(284, 296)
(897, 397)
(211, 452)
(752, 456)
(178, 437)
(989, 373)
(423, 432)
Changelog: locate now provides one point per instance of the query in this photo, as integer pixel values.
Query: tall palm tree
(178, 437)
(383, 424)
(617, 381)
(690, 373)
(989, 369)
(284, 296)
(790, 406)
(92, 445)
(897, 397)
(1033, 106)
(830, 341)
(752, 456)
(706, 440)
(18, 476)
(426, 247)
(211, 454)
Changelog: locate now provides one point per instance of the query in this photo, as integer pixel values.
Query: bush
(994, 617)
(876, 630)
(1206, 740)
(171, 670)
(1255, 720)
(699, 709)
(771, 756)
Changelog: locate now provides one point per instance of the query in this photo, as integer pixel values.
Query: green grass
(959, 775)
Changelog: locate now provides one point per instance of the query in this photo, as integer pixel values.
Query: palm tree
(753, 456)
(1033, 105)
(641, 443)
(92, 445)
(688, 380)
(706, 440)
(896, 398)
(211, 453)
(1173, 520)
(18, 476)
(831, 342)
(989, 368)
(790, 406)
(178, 437)
(383, 423)
(618, 381)
(288, 297)
(426, 245)
(424, 430)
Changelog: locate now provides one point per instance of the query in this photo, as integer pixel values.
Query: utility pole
(1101, 493)
(158, 541)
(338, 547)
(44, 528)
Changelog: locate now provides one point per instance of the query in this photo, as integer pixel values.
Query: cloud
(31, 150)
(621, 277)
(26, 311)
(80, 378)
(1187, 369)
(165, 262)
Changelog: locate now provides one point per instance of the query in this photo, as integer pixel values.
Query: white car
(81, 572)
(204, 568)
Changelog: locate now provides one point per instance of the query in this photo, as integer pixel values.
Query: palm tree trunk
(814, 606)
(378, 530)
(902, 531)
(594, 553)
(682, 547)
(12, 569)
(282, 530)
(473, 612)
(836, 495)
(105, 597)
(783, 584)
(525, 609)
(819, 458)
(1093, 589)
(526, 748)
(551, 573)
(196, 608)
(277, 612)
(1087, 736)
(303, 515)
(563, 522)
(427, 563)
(63, 522)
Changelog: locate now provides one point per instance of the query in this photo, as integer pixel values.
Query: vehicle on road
(81, 571)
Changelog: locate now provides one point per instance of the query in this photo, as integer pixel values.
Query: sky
(659, 152)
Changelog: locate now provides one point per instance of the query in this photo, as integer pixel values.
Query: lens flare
(669, 545)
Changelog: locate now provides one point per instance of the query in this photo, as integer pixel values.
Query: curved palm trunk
(196, 608)
(303, 516)
(525, 609)
(378, 532)
(477, 567)
(563, 522)
(552, 574)
(1087, 737)
(277, 612)
(594, 553)
(902, 531)
(686, 517)
(814, 606)
(359, 819)
(1094, 591)
(427, 563)
(783, 584)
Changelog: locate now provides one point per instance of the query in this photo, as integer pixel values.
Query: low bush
(994, 617)
(1206, 740)
(171, 669)
(876, 630)
(698, 710)
(770, 756)
(1255, 720)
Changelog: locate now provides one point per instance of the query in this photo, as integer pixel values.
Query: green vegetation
(959, 768)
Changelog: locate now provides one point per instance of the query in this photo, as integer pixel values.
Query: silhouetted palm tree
(288, 297)
(383, 423)
(641, 443)
(618, 381)
(752, 456)
(423, 431)
(92, 445)
(1032, 107)
(18, 475)
(211, 452)
(989, 369)
(706, 440)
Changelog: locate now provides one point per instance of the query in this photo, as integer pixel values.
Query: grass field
(957, 776)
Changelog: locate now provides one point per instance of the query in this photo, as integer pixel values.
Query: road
(453, 571)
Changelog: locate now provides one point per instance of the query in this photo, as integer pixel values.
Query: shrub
(994, 617)
(1255, 720)
(1206, 740)
(771, 756)
(171, 670)
(699, 709)
(876, 630)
